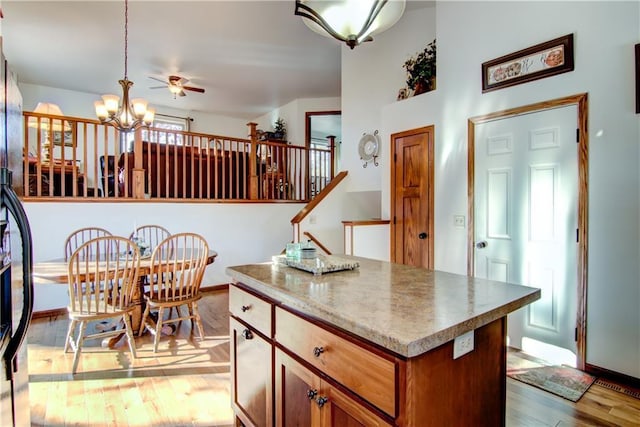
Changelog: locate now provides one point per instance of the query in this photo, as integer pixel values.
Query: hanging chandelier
(131, 114)
(350, 21)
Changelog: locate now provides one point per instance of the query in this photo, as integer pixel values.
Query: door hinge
(394, 220)
(577, 235)
(577, 135)
(395, 158)
(575, 335)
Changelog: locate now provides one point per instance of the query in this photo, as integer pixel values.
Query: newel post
(137, 172)
(332, 154)
(253, 163)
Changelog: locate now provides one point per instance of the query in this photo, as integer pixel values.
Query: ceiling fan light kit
(350, 21)
(176, 85)
(131, 114)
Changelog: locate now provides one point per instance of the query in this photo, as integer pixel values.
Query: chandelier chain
(126, 36)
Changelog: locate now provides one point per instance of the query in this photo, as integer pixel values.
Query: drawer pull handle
(321, 401)
(317, 351)
(311, 394)
(247, 334)
(245, 308)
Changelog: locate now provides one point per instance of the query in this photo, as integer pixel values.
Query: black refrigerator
(16, 305)
(16, 284)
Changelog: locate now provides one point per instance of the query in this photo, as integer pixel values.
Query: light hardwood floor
(187, 383)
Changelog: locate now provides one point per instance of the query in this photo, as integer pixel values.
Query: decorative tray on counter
(319, 265)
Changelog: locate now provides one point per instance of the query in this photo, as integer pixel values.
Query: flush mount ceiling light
(350, 21)
(130, 115)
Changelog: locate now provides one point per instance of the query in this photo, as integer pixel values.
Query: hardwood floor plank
(188, 382)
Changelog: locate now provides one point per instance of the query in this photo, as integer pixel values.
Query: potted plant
(421, 70)
(280, 129)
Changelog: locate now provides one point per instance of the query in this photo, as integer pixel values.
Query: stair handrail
(308, 208)
(315, 240)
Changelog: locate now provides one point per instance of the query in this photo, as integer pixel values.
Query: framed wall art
(533, 63)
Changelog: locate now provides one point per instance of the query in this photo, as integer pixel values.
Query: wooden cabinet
(289, 369)
(369, 375)
(304, 399)
(251, 359)
(251, 310)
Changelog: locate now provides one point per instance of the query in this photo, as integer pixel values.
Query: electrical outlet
(463, 344)
(458, 221)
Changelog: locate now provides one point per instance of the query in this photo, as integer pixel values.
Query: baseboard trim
(55, 312)
(614, 376)
(222, 287)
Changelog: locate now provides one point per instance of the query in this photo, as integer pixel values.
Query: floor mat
(563, 381)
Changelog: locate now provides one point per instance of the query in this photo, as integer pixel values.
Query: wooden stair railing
(306, 210)
(309, 207)
(90, 160)
(315, 240)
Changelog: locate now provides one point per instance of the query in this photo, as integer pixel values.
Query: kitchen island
(373, 345)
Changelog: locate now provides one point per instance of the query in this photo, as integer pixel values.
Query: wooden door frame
(430, 187)
(307, 122)
(581, 101)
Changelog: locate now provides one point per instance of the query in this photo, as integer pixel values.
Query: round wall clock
(368, 148)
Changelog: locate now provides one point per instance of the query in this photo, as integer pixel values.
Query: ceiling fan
(176, 85)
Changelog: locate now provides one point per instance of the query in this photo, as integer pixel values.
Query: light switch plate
(458, 221)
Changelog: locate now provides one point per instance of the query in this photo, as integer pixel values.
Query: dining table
(56, 271)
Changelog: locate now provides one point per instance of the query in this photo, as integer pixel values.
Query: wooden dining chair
(80, 236)
(151, 234)
(103, 274)
(177, 266)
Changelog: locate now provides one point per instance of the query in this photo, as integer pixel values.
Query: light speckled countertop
(404, 309)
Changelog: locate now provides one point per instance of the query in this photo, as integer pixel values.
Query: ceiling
(249, 56)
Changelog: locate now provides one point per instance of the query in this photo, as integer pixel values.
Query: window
(165, 133)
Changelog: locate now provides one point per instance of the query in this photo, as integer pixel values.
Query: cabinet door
(302, 399)
(296, 392)
(251, 386)
(339, 410)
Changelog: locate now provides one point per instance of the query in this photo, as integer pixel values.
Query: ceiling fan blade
(195, 89)
(158, 80)
(177, 80)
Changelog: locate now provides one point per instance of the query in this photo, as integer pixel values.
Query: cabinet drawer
(250, 309)
(365, 373)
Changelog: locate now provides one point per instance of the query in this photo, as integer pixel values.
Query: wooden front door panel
(412, 198)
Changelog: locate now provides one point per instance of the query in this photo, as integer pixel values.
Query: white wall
(469, 33)
(372, 74)
(293, 114)
(240, 233)
(325, 221)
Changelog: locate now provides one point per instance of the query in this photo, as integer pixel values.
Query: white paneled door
(526, 218)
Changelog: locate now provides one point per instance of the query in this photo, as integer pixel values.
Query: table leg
(136, 315)
(139, 305)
